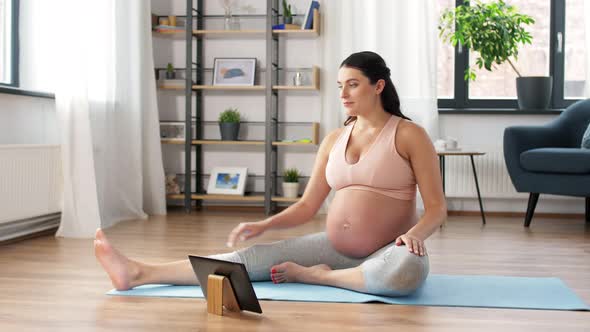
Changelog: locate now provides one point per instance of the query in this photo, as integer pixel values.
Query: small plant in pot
(287, 13)
(291, 183)
(495, 31)
(170, 74)
(229, 124)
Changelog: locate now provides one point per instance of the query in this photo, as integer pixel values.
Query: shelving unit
(194, 36)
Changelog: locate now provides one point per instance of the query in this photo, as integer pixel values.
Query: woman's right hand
(245, 231)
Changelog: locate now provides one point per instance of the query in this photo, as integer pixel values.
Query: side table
(470, 153)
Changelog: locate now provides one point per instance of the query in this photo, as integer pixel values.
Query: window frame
(14, 86)
(461, 101)
(14, 45)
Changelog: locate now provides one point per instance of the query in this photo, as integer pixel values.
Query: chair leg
(533, 198)
(588, 210)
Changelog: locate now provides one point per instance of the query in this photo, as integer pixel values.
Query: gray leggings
(389, 271)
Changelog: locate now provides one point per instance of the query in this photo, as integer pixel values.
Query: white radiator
(30, 186)
(494, 181)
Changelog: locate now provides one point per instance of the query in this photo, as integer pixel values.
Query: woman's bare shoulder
(409, 136)
(330, 139)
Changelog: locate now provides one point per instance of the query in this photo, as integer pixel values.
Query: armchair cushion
(556, 160)
(586, 138)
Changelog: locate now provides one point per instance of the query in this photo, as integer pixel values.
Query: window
(575, 50)
(545, 56)
(9, 42)
(446, 61)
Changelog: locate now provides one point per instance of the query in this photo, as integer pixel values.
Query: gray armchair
(548, 159)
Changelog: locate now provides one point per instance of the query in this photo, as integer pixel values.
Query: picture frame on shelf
(173, 130)
(227, 180)
(234, 71)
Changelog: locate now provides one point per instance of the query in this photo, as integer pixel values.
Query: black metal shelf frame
(195, 64)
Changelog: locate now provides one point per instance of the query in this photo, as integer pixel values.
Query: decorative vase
(229, 131)
(227, 20)
(298, 79)
(288, 20)
(290, 189)
(170, 75)
(534, 92)
(231, 22)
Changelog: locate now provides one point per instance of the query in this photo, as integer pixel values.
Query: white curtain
(106, 103)
(404, 33)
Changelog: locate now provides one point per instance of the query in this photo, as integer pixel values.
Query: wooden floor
(55, 284)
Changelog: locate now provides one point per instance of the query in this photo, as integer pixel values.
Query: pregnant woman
(374, 239)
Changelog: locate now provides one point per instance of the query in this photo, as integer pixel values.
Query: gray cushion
(586, 138)
(556, 160)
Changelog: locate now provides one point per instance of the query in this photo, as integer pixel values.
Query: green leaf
(495, 30)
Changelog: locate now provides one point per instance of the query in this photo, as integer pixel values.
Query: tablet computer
(235, 272)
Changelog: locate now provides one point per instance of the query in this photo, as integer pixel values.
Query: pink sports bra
(381, 169)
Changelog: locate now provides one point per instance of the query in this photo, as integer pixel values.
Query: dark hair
(373, 66)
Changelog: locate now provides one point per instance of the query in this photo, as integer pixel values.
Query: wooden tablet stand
(220, 294)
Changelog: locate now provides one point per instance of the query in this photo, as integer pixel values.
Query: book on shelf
(286, 27)
(308, 21)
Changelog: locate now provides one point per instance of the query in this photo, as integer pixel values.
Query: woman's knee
(395, 273)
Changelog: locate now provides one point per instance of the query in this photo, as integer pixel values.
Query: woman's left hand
(414, 244)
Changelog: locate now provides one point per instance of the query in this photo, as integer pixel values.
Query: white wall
(27, 120)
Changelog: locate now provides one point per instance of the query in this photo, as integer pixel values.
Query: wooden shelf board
(228, 33)
(293, 143)
(251, 198)
(285, 199)
(291, 87)
(309, 33)
(170, 87)
(172, 141)
(229, 87)
(220, 142)
(173, 34)
(216, 197)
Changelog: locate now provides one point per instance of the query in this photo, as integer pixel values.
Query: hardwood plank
(56, 284)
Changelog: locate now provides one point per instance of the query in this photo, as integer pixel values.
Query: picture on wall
(234, 71)
(227, 180)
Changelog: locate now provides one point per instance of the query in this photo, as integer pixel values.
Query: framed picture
(227, 180)
(173, 129)
(234, 71)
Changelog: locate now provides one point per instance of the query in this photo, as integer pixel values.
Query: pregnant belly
(360, 222)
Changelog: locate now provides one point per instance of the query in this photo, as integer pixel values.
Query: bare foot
(291, 272)
(122, 271)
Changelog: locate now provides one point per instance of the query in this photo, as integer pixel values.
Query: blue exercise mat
(438, 290)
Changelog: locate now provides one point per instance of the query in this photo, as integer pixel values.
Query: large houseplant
(495, 31)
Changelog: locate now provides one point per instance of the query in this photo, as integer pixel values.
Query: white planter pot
(290, 189)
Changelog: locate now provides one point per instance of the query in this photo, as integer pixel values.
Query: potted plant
(170, 74)
(291, 183)
(287, 13)
(495, 31)
(229, 124)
